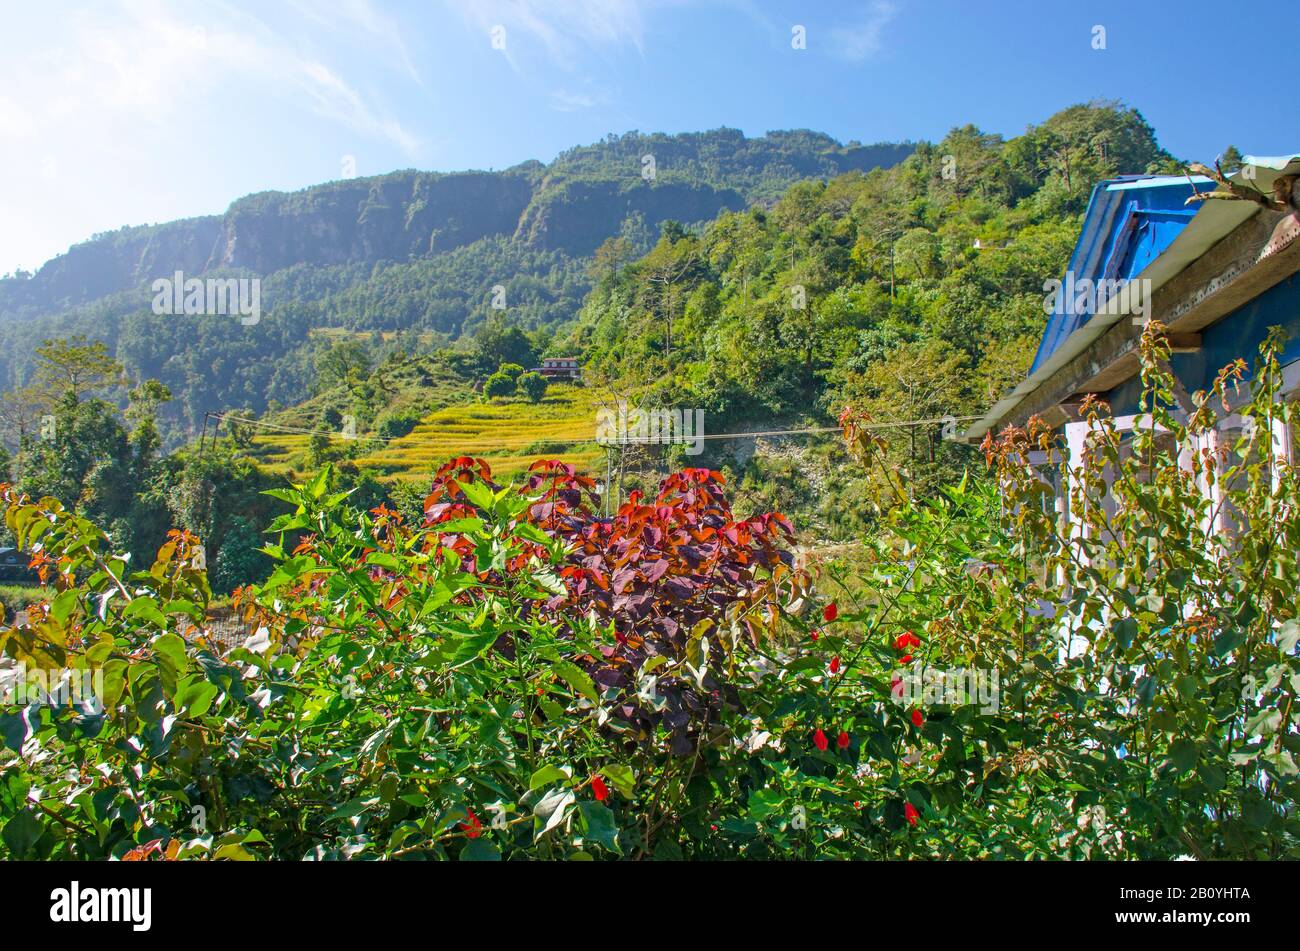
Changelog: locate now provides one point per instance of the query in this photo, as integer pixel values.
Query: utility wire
(628, 440)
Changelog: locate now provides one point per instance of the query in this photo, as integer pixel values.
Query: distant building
(559, 368)
(13, 566)
(1216, 273)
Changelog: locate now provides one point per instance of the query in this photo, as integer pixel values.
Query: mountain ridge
(570, 205)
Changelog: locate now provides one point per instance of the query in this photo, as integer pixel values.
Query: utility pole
(203, 435)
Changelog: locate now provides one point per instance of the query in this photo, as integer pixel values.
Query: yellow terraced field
(510, 434)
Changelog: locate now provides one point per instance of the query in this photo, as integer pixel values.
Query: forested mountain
(911, 293)
(407, 250)
(570, 205)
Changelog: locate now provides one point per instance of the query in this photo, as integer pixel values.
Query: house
(13, 566)
(1217, 273)
(559, 368)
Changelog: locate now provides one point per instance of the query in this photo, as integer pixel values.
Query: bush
(510, 675)
(512, 370)
(397, 425)
(19, 597)
(498, 384)
(533, 386)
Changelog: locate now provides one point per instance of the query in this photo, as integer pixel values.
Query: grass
(509, 433)
(18, 597)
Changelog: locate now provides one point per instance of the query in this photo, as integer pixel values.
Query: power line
(626, 440)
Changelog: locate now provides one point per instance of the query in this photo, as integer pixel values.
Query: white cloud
(563, 100)
(141, 62)
(861, 40)
(347, 16)
(564, 28)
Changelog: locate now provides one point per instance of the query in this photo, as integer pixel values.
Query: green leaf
(551, 808)
(1213, 776)
(114, 682)
(1126, 630)
(147, 610)
(548, 775)
(171, 648)
(1282, 762)
(479, 494)
(195, 696)
(1266, 721)
(576, 678)
(620, 777)
(62, 605)
(1183, 754)
(764, 803)
(21, 833)
(480, 850)
(463, 648)
(1146, 690)
(598, 822)
(466, 526)
(1288, 636)
(1227, 641)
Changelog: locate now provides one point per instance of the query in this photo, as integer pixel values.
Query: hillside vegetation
(407, 250)
(909, 293)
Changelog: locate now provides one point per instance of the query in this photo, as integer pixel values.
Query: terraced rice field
(510, 434)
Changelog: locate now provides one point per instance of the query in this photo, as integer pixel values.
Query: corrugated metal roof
(1177, 246)
(1129, 222)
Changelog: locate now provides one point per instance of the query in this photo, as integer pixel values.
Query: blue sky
(134, 111)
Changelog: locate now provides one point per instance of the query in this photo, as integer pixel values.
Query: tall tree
(76, 367)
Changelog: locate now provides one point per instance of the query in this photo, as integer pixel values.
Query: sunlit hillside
(509, 433)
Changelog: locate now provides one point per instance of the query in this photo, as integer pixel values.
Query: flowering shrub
(517, 676)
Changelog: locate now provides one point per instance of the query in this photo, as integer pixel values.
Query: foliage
(513, 676)
(532, 385)
(498, 384)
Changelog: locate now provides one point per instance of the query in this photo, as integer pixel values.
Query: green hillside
(510, 433)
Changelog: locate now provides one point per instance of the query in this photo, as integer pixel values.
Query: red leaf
(843, 740)
(909, 810)
(830, 612)
(599, 788)
(819, 740)
(917, 718)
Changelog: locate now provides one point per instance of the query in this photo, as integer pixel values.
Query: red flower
(830, 612)
(473, 828)
(904, 641)
(909, 810)
(815, 635)
(896, 686)
(907, 659)
(917, 719)
(835, 665)
(843, 740)
(819, 740)
(599, 788)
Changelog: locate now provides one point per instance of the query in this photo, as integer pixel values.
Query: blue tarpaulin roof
(1129, 221)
